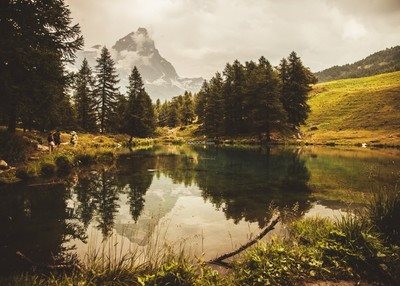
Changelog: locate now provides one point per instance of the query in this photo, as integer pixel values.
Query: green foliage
(85, 159)
(296, 80)
(319, 249)
(84, 101)
(38, 40)
(106, 91)
(64, 164)
(384, 213)
(139, 118)
(14, 148)
(48, 169)
(255, 98)
(363, 110)
(384, 61)
(171, 273)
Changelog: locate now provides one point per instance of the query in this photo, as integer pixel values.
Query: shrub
(85, 159)
(13, 147)
(64, 164)
(384, 212)
(106, 157)
(171, 273)
(24, 174)
(48, 169)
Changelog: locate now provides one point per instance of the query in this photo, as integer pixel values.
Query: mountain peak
(159, 75)
(138, 41)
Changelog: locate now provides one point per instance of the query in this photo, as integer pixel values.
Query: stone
(3, 165)
(42, 148)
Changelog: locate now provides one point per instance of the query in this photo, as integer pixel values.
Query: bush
(384, 213)
(64, 164)
(85, 159)
(106, 157)
(48, 169)
(24, 174)
(170, 273)
(13, 147)
(320, 249)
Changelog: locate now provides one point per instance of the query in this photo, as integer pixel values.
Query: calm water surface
(207, 199)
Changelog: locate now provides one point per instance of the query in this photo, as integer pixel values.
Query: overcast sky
(200, 37)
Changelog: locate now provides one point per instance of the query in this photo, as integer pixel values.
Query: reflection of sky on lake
(209, 199)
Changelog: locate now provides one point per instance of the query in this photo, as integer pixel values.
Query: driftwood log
(220, 260)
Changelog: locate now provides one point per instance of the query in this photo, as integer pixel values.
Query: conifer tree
(187, 115)
(267, 113)
(214, 108)
(139, 115)
(173, 113)
(84, 98)
(200, 101)
(37, 40)
(106, 91)
(234, 97)
(296, 82)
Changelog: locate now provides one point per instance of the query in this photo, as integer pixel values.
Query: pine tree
(174, 113)
(214, 107)
(139, 115)
(84, 99)
(187, 113)
(296, 82)
(200, 101)
(267, 112)
(106, 91)
(37, 40)
(234, 97)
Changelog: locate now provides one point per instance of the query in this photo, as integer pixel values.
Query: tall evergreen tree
(84, 98)
(139, 115)
(174, 113)
(187, 114)
(234, 97)
(106, 91)
(267, 112)
(200, 101)
(296, 82)
(214, 108)
(37, 40)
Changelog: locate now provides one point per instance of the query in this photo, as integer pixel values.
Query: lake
(205, 199)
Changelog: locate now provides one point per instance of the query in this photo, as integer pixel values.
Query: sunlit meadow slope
(361, 110)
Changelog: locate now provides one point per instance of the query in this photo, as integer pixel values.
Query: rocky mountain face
(138, 49)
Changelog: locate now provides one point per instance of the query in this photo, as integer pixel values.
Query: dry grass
(351, 111)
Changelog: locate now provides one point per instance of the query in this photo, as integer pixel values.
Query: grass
(352, 248)
(355, 111)
(91, 149)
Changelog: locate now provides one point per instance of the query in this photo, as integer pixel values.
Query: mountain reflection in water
(197, 191)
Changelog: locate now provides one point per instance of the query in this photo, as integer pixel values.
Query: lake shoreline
(97, 148)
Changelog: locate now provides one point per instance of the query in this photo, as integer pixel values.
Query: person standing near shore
(74, 138)
(50, 141)
(57, 138)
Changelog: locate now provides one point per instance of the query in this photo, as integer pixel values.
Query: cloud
(353, 30)
(199, 37)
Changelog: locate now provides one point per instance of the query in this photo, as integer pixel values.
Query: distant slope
(356, 110)
(380, 62)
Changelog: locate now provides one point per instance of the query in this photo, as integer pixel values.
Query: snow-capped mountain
(138, 49)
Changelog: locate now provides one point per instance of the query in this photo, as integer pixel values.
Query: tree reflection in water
(242, 183)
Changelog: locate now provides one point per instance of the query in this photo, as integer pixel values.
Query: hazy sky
(200, 37)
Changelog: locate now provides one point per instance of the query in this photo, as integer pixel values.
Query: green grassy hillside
(361, 110)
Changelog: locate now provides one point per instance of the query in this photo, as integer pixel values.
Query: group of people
(54, 139)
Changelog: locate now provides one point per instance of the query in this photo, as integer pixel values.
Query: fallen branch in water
(219, 260)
